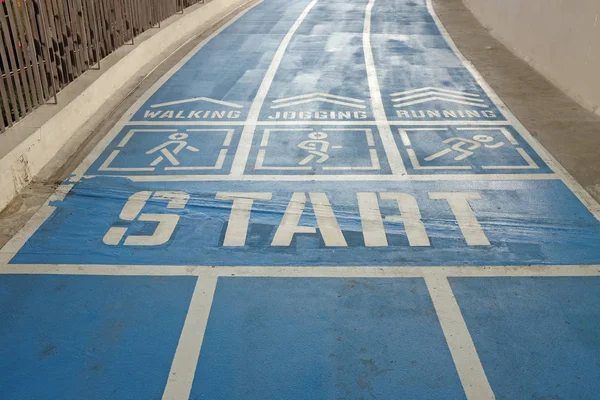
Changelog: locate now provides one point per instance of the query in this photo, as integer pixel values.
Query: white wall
(559, 38)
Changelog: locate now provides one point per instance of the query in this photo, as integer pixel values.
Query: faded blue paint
(538, 338)
(203, 147)
(468, 150)
(303, 338)
(410, 53)
(89, 337)
(114, 337)
(229, 68)
(350, 151)
(526, 222)
(325, 56)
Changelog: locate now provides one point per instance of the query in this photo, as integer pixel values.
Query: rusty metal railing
(46, 44)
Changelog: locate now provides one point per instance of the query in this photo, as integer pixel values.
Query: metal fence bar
(46, 44)
(23, 65)
(10, 64)
(27, 43)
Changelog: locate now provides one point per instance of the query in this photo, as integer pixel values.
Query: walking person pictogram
(178, 140)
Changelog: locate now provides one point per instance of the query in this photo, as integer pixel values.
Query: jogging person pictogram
(317, 148)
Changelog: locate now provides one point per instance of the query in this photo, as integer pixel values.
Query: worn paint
(299, 139)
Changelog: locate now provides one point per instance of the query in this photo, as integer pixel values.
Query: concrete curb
(28, 146)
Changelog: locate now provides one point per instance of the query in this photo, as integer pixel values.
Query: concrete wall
(559, 38)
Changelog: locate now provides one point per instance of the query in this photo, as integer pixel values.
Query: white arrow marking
(192, 100)
(312, 100)
(434, 89)
(410, 103)
(432, 93)
(306, 96)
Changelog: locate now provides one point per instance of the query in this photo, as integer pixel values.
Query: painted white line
(531, 164)
(571, 183)
(340, 271)
(243, 151)
(467, 362)
(196, 99)
(124, 121)
(385, 132)
(335, 178)
(13, 246)
(450, 123)
(319, 122)
(183, 368)
(405, 139)
(17, 241)
(218, 164)
(375, 164)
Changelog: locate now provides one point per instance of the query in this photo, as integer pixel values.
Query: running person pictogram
(465, 147)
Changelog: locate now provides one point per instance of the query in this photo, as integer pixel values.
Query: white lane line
(16, 242)
(337, 178)
(183, 368)
(304, 271)
(101, 146)
(310, 122)
(13, 246)
(243, 151)
(467, 362)
(571, 183)
(385, 132)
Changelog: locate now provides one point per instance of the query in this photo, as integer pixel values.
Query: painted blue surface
(89, 337)
(137, 148)
(325, 56)
(229, 68)
(410, 53)
(302, 338)
(209, 150)
(355, 150)
(537, 338)
(468, 149)
(526, 222)
(155, 196)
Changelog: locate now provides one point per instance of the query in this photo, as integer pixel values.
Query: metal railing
(46, 44)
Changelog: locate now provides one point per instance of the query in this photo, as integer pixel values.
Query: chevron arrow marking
(430, 89)
(423, 95)
(425, 100)
(454, 96)
(195, 99)
(315, 97)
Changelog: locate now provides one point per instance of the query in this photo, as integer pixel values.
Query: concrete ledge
(28, 146)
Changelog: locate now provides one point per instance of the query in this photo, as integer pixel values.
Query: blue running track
(324, 200)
